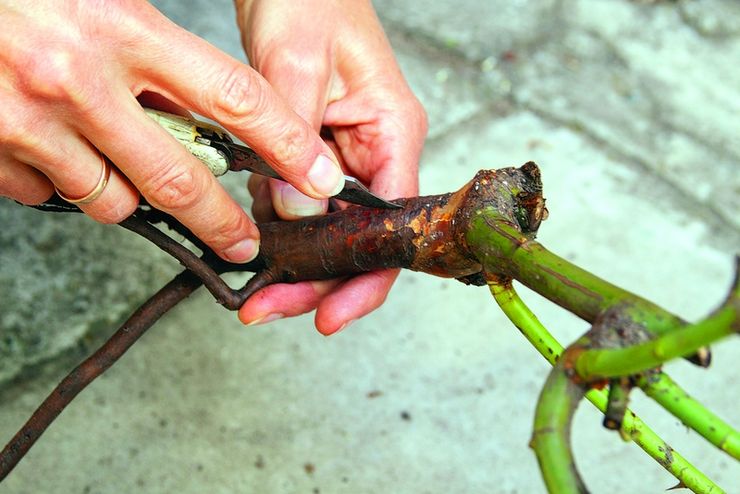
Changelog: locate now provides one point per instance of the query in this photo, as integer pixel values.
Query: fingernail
(242, 251)
(344, 326)
(295, 203)
(265, 319)
(325, 176)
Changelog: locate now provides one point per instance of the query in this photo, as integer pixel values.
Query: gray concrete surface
(57, 288)
(631, 110)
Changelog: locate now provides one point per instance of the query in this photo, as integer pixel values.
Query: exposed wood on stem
(427, 234)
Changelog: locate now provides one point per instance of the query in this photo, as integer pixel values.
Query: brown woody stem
(141, 320)
(426, 235)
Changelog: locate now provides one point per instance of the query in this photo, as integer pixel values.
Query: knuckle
(290, 146)
(229, 229)
(239, 94)
(19, 124)
(410, 116)
(12, 133)
(175, 187)
(422, 118)
(415, 114)
(53, 74)
(302, 63)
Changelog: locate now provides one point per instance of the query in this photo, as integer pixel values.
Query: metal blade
(243, 158)
(356, 193)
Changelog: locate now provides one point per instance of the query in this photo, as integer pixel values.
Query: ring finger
(75, 168)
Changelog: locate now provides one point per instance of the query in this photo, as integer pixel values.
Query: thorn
(680, 485)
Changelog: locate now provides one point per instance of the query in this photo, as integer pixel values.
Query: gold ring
(97, 190)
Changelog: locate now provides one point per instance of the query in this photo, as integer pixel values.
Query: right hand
(332, 62)
(72, 73)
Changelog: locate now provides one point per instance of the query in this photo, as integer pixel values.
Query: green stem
(617, 400)
(599, 363)
(523, 318)
(661, 388)
(551, 438)
(686, 473)
(503, 250)
(526, 322)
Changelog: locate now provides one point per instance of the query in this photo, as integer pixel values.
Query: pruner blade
(356, 193)
(243, 158)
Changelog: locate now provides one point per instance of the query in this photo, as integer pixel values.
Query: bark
(427, 234)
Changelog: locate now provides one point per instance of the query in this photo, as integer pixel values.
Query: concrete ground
(631, 109)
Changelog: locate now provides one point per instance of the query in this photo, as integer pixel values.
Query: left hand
(331, 61)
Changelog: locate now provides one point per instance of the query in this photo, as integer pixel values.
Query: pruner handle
(197, 137)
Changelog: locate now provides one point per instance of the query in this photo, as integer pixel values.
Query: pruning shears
(213, 146)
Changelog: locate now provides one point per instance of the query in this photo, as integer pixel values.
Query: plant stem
(525, 320)
(140, 321)
(632, 426)
(599, 363)
(551, 437)
(483, 231)
(503, 250)
(661, 388)
(617, 401)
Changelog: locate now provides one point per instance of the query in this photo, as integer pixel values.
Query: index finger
(194, 74)
(170, 177)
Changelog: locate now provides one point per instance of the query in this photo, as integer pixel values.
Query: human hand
(332, 63)
(72, 72)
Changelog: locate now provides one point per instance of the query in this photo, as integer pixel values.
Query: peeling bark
(427, 234)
